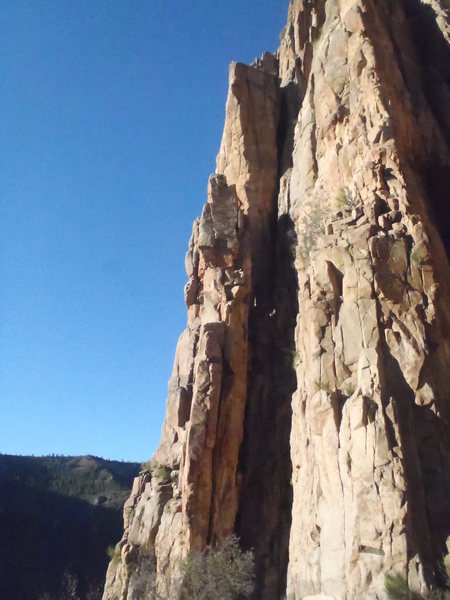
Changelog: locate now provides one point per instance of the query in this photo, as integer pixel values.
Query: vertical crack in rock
(309, 404)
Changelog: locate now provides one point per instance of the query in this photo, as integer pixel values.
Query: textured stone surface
(309, 402)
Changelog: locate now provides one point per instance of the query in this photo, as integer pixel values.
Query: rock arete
(309, 404)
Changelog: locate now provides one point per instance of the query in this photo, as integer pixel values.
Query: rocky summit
(309, 404)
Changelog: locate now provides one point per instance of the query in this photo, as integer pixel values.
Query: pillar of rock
(309, 402)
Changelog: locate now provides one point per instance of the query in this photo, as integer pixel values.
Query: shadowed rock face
(309, 403)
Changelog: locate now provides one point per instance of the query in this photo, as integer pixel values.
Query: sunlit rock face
(309, 402)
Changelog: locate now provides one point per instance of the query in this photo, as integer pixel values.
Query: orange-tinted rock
(309, 402)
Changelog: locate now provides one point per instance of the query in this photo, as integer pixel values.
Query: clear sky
(111, 114)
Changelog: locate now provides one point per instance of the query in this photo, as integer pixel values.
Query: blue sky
(111, 116)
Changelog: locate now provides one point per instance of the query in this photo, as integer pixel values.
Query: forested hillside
(58, 516)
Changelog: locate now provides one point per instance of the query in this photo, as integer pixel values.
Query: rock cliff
(309, 404)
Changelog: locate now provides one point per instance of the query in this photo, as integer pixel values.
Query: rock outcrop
(309, 404)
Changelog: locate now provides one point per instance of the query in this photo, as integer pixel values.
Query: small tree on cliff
(224, 572)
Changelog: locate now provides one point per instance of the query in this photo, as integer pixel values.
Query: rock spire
(309, 404)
